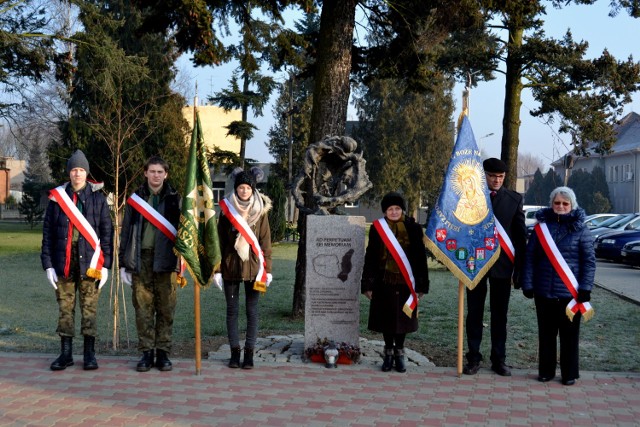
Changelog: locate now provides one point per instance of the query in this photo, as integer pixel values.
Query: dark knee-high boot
(90, 362)
(66, 355)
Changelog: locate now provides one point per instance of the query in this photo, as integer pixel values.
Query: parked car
(609, 246)
(630, 253)
(614, 224)
(530, 216)
(594, 220)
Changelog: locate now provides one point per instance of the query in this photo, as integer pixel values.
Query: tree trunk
(512, 103)
(245, 116)
(330, 102)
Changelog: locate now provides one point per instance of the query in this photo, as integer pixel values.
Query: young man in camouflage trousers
(147, 262)
(76, 253)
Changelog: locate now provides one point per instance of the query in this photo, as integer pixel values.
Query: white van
(530, 215)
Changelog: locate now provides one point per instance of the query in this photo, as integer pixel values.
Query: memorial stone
(335, 257)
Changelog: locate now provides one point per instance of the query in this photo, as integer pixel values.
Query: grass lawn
(28, 314)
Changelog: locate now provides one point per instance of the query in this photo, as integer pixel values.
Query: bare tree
(528, 164)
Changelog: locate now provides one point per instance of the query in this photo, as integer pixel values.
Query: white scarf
(251, 211)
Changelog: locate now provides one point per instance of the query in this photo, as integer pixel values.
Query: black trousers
(553, 321)
(498, 306)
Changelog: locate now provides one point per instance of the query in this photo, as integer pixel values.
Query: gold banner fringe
(453, 268)
(260, 286)
(407, 310)
(94, 274)
(193, 276)
(588, 315)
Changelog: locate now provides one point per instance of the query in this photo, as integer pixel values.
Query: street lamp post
(293, 109)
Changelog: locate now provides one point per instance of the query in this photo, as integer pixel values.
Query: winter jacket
(507, 207)
(55, 230)
(574, 242)
(385, 313)
(164, 260)
(232, 267)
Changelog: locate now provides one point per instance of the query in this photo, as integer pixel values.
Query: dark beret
(494, 165)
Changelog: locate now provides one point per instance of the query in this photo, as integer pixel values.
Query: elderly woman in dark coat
(565, 223)
(384, 284)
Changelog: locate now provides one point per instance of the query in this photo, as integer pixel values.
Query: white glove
(217, 279)
(124, 276)
(269, 279)
(52, 277)
(103, 280)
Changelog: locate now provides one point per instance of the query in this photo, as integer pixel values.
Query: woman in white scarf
(239, 263)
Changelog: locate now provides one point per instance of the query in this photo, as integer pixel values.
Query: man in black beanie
(76, 255)
(507, 208)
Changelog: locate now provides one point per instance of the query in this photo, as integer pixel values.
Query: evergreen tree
(292, 109)
(277, 215)
(586, 95)
(25, 51)
(249, 88)
(534, 195)
(591, 190)
(122, 107)
(405, 135)
(600, 203)
(30, 207)
(550, 182)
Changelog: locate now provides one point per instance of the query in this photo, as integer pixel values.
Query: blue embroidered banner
(461, 230)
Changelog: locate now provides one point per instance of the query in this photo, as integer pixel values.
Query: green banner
(197, 239)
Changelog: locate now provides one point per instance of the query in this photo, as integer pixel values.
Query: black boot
(90, 362)
(247, 362)
(146, 362)
(387, 361)
(234, 362)
(162, 361)
(66, 357)
(399, 359)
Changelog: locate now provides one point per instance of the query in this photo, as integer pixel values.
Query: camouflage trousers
(154, 299)
(86, 289)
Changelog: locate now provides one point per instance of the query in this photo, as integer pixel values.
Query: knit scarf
(400, 231)
(251, 210)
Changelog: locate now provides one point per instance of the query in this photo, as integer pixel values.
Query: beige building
(213, 120)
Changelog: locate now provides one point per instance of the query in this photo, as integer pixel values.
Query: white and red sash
(400, 257)
(245, 231)
(153, 216)
(563, 270)
(161, 223)
(505, 241)
(78, 221)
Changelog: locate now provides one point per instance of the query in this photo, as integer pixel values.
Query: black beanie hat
(78, 160)
(244, 177)
(494, 165)
(250, 177)
(392, 199)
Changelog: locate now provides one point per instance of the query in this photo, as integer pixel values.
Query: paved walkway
(301, 394)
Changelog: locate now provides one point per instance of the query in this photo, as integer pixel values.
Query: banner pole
(196, 314)
(460, 325)
(196, 285)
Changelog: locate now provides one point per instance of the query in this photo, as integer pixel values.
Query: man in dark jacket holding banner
(147, 262)
(510, 225)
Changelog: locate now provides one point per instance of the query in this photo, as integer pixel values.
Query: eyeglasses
(562, 203)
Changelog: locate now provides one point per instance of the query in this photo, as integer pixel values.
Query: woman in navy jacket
(565, 221)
